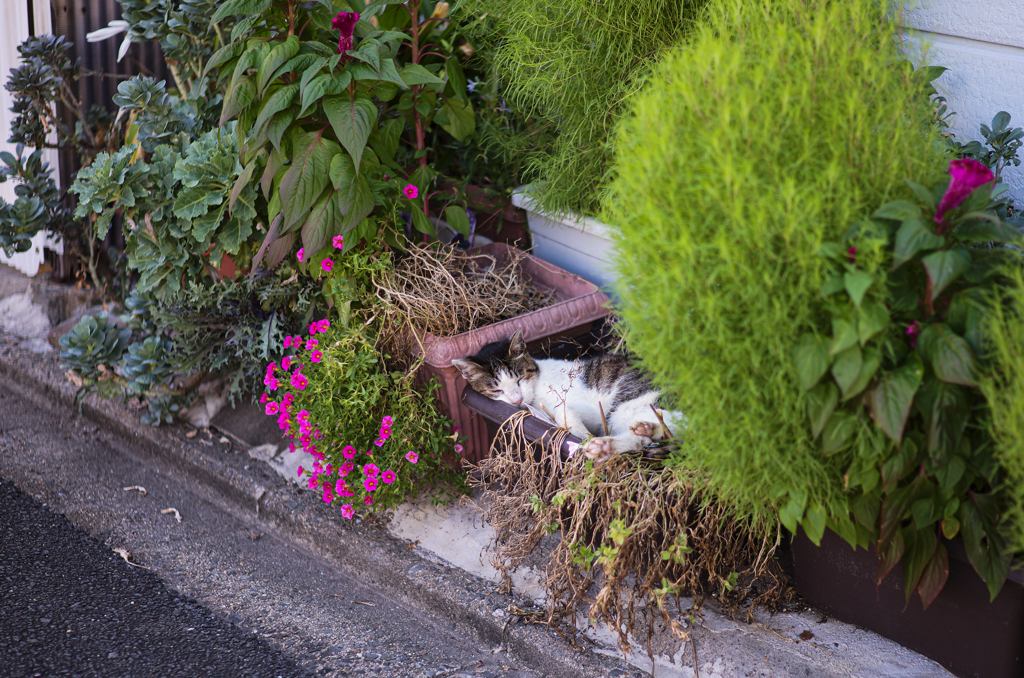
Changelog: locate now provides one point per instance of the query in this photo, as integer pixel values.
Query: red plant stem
(414, 11)
(291, 18)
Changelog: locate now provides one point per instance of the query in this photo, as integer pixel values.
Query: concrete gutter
(430, 557)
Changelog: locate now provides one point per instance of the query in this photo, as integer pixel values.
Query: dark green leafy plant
(721, 222)
(909, 292)
(93, 347)
(146, 366)
(38, 207)
(1000, 148)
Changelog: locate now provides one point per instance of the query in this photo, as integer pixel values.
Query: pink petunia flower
(965, 176)
(368, 500)
(286, 362)
(371, 470)
(264, 398)
(312, 329)
(386, 422)
(292, 448)
(300, 471)
(301, 254)
(349, 452)
(388, 477)
(299, 381)
(347, 511)
(412, 457)
(323, 325)
(312, 483)
(287, 344)
(346, 468)
(274, 384)
(282, 421)
(458, 449)
(271, 408)
(411, 192)
(339, 486)
(345, 24)
(315, 356)
(311, 344)
(326, 265)
(370, 484)
(339, 242)
(328, 497)
(287, 400)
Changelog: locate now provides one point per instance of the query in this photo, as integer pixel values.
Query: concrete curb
(450, 596)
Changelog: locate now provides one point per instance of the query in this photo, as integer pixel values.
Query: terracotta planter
(579, 304)
(961, 629)
(494, 412)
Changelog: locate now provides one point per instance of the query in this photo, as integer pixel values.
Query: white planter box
(578, 244)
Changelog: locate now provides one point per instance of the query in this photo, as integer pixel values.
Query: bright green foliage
(767, 134)
(574, 66)
(110, 183)
(93, 346)
(38, 205)
(158, 115)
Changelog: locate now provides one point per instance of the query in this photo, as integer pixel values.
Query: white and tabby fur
(573, 393)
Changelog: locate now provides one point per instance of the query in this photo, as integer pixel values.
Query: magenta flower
(346, 468)
(913, 329)
(300, 471)
(312, 329)
(339, 487)
(316, 356)
(299, 381)
(386, 422)
(327, 265)
(368, 500)
(287, 344)
(411, 192)
(286, 362)
(349, 452)
(345, 24)
(271, 408)
(339, 242)
(371, 470)
(965, 176)
(370, 484)
(323, 324)
(388, 477)
(273, 384)
(311, 344)
(347, 511)
(282, 421)
(458, 449)
(264, 398)
(301, 253)
(851, 254)
(327, 495)
(412, 457)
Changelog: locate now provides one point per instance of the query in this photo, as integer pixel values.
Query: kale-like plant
(38, 206)
(93, 347)
(908, 292)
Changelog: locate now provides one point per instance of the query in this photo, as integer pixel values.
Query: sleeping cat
(570, 391)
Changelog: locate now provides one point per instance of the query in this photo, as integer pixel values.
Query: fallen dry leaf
(177, 516)
(140, 489)
(124, 554)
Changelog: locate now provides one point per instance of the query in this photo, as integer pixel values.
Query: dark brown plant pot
(578, 304)
(495, 412)
(961, 629)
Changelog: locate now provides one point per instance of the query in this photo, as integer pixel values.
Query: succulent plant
(93, 346)
(146, 365)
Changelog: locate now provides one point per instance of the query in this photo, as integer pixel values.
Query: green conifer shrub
(574, 65)
(772, 130)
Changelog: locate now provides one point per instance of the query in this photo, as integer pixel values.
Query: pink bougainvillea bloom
(368, 500)
(323, 325)
(345, 469)
(371, 470)
(388, 477)
(345, 24)
(347, 511)
(412, 457)
(299, 381)
(349, 452)
(311, 344)
(370, 484)
(271, 408)
(339, 242)
(301, 254)
(386, 422)
(411, 191)
(326, 265)
(316, 356)
(965, 176)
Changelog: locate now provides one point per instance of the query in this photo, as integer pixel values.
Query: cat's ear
(471, 372)
(517, 345)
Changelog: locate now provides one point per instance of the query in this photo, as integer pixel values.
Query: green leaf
(278, 101)
(276, 57)
(232, 234)
(946, 410)
(898, 210)
(846, 368)
(422, 223)
(934, 576)
(355, 198)
(279, 125)
(985, 548)
(385, 140)
(232, 7)
(923, 194)
(896, 467)
(457, 118)
(950, 474)
(305, 180)
(352, 121)
(920, 549)
(814, 523)
(912, 237)
(945, 267)
(873, 317)
(325, 83)
(456, 77)
(205, 224)
(844, 333)
(223, 55)
(890, 544)
(195, 201)
(838, 429)
(832, 284)
(811, 360)
(821, 403)
(237, 100)
(791, 514)
(948, 354)
(414, 74)
(857, 284)
(458, 219)
(243, 179)
(872, 360)
(890, 401)
(324, 222)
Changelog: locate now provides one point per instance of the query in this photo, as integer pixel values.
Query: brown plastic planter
(579, 304)
(961, 629)
(494, 412)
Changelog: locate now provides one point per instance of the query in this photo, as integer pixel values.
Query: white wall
(982, 43)
(13, 31)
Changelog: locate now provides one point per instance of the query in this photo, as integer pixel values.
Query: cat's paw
(599, 449)
(645, 430)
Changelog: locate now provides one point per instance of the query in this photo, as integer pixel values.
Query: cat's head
(502, 371)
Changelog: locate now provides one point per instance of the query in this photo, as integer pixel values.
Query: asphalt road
(224, 595)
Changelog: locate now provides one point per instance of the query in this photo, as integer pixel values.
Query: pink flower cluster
(384, 433)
